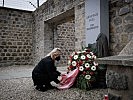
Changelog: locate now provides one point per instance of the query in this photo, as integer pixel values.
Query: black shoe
(42, 89)
(50, 87)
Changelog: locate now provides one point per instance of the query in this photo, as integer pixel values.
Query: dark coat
(102, 50)
(102, 46)
(45, 72)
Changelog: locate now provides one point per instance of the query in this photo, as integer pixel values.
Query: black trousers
(40, 80)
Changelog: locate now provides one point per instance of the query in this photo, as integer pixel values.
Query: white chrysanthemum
(87, 65)
(69, 62)
(91, 53)
(94, 57)
(75, 57)
(83, 51)
(81, 68)
(88, 55)
(74, 63)
(88, 77)
(78, 52)
(95, 64)
(83, 57)
(93, 68)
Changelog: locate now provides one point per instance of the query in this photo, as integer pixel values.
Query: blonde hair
(55, 50)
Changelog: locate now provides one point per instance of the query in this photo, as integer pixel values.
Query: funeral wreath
(85, 61)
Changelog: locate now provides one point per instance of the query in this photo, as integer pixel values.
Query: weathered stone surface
(123, 60)
(114, 97)
(117, 81)
(13, 36)
(128, 19)
(128, 49)
(119, 29)
(117, 21)
(128, 28)
(124, 10)
(65, 39)
(124, 38)
(112, 13)
(122, 18)
(64, 22)
(22, 26)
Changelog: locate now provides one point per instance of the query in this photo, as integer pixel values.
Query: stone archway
(62, 30)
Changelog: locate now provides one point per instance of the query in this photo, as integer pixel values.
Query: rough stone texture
(42, 42)
(48, 18)
(80, 26)
(64, 39)
(23, 89)
(120, 73)
(128, 49)
(114, 97)
(124, 10)
(117, 21)
(124, 60)
(128, 19)
(15, 36)
(25, 40)
(116, 81)
(17, 44)
(129, 28)
(120, 24)
(119, 29)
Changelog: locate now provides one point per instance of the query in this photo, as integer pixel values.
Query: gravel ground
(23, 89)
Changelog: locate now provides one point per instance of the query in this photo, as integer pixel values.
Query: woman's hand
(59, 78)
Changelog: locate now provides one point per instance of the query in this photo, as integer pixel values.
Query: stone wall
(121, 24)
(15, 36)
(119, 81)
(119, 75)
(49, 19)
(65, 39)
(52, 12)
(20, 43)
(80, 25)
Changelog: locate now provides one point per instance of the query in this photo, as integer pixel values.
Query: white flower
(83, 51)
(94, 57)
(75, 57)
(88, 55)
(83, 57)
(78, 52)
(74, 63)
(87, 65)
(95, 64)
(91, 53)
(93, 68)
(81, 68)
(88, 77)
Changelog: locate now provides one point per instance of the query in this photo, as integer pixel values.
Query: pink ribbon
(68, 79)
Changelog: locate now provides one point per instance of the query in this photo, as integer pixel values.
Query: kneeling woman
(45, 71)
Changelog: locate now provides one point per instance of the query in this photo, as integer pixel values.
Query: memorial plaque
(96, 19)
